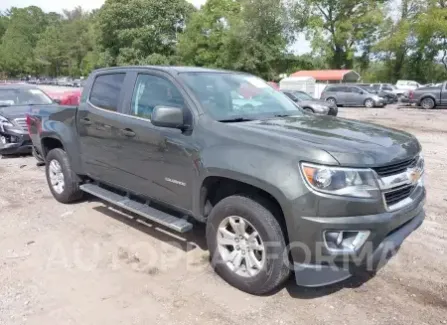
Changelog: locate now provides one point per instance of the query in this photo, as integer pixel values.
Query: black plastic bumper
(315, 275)
(22, 144)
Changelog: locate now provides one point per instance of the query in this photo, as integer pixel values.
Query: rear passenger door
(99, 124)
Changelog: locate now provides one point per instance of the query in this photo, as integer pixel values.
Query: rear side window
(106, 91)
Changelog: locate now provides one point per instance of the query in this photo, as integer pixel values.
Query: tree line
(383, 40)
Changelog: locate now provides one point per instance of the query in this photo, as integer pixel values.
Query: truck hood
(18, 111)
(351, 143)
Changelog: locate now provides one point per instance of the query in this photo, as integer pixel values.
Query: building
(329, 76)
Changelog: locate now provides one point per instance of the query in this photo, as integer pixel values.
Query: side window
(106, 91)
(151, 91)
(332, 89)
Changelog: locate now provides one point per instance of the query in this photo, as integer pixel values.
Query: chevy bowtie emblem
(413, 175)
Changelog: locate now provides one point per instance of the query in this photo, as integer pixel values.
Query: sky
(300, 47)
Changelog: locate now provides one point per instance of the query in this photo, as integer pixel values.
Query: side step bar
(144, 210)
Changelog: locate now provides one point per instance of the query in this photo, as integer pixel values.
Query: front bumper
(316, 265)
(333, 111)
(17, 142)
(380, 103)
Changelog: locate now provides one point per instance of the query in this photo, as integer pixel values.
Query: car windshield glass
(16, 97)
(232, 96)
(303, 96)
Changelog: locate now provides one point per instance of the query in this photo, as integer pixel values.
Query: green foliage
(340, 29)
(245, 35)
(132, 30)
(384, 40)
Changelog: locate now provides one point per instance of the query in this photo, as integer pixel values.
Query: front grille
(21, 122)
(398, 194)
(395, 168)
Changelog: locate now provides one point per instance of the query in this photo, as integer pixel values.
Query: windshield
(302, 96)
(16, 97)
(230, 96)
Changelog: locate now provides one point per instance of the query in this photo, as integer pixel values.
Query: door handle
(128, 133)
(86, 121)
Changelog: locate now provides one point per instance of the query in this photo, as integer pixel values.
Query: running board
(144, 210)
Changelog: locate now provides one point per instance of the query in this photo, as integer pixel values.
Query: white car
(407, 85)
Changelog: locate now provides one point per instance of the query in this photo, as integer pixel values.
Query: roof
(325, 75)
(169, 69)
(306, 78)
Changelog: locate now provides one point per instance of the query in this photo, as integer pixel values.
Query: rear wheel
(240, 232)
(428, 103)
(63, 182)
(369, 103)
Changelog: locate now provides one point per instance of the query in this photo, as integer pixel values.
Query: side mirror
(168, 117)
(57, 101)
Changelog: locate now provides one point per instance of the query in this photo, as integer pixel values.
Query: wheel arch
(215, 188)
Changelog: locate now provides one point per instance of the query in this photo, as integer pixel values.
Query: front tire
(308, 110)
(332, 101)
(428, 103)
(63, 182)
(369, 103)
(247, 244)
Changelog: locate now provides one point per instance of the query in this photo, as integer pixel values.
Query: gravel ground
(89, 264)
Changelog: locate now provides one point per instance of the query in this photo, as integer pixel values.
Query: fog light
(3, 140)
(345, 240)
(14, 139)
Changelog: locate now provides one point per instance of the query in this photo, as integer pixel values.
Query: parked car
(332, 194)
(407, 85)
(310, 104)
(76, 82)
(15, 102)
(389, 96)
(430, 97)
(351, 95)
(65, 81)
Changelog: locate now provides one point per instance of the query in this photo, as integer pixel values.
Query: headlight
(4, 122)
(320, 107)
(359, 183)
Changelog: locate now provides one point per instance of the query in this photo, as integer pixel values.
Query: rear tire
(428, 103)
(63, 182)
(272, 272)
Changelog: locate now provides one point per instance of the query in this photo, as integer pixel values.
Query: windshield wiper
(282, 115)
(236, 119)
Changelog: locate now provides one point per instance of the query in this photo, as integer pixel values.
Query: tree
(131, 30)
(244, 35)
(20, 38)
(398, 37)
(339, 29)
(432, 28)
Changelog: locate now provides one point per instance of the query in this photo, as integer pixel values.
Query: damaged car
(16, 101)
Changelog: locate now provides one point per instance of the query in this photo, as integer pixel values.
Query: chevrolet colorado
(430, 97)
(278, 189)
